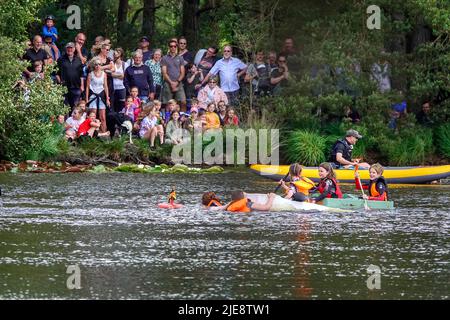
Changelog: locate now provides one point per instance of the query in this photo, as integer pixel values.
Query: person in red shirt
(90, 126)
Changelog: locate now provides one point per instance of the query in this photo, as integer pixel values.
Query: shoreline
(104, 166)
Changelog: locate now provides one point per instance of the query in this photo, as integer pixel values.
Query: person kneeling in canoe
(328, 186)
(210, 200)
(377, 186)
(299, 186)
(240, 203)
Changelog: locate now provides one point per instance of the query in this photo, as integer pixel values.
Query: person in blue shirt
(230, 70)
(49, 29)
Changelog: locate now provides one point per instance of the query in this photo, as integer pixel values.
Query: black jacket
(344, 147)
(70, 71)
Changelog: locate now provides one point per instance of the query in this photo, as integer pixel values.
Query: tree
(122, 14)
(190, 21)
(148, 18)
(15, 17)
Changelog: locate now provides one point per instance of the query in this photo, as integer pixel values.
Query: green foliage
(49, 147)
(411, 148)
(25, 114)
(331, 71)
(17, 15)
(305, 147)
(293, 112)
(443, 139)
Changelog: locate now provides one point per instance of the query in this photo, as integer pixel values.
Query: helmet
(49, 17)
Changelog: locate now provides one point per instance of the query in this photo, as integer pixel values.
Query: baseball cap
(353, 133)
(70, 45)
(183, 114)
(144, 38)
(194, 110)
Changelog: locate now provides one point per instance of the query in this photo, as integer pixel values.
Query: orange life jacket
(239, 206)
(373, 192)
(214, 203)
(303, 185)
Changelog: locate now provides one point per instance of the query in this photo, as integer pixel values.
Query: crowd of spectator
(156, 90)
(160, 90)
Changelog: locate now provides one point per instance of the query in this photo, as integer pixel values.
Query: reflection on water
(127, 248)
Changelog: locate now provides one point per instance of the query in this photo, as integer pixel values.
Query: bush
(305, 147)
(25, 119)
(293, 112)
(443, 139)
(410, 148)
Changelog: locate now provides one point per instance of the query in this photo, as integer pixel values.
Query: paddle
(366, 205)
(284, 179)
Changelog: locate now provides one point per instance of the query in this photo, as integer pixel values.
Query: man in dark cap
(144, 45)
(70, 75)
(341, 154)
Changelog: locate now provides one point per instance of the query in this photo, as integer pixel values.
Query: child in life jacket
(210, 200)
(241, 204)
(299, 186)
(377, 186)
(328, 186)
(172, 196)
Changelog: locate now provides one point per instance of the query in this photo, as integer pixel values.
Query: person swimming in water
(239, 203)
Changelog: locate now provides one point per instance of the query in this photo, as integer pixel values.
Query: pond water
(108, 225)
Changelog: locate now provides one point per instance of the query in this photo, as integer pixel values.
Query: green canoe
(351, 202)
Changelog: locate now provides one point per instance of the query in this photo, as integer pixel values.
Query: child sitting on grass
(195, 104)
(82, 105)
(173, 130)
(212, 119)
(200, 122)
(73, 123)
(150, 129)
(90, 126)
(231, 119)
(171, 106)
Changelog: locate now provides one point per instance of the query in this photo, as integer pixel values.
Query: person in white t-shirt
(73, 123)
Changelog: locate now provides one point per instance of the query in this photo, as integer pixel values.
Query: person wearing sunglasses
(230, 70)
(144, 45)
(206, 59)
(173, 71)
(211, 93)
(183, 51)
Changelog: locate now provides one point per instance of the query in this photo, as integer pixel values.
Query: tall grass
(412, 149)
(305, 147)
(443, 139)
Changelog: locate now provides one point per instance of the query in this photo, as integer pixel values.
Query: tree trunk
(148, 19)
(420, 35)
(122, 14)
(190, 21)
